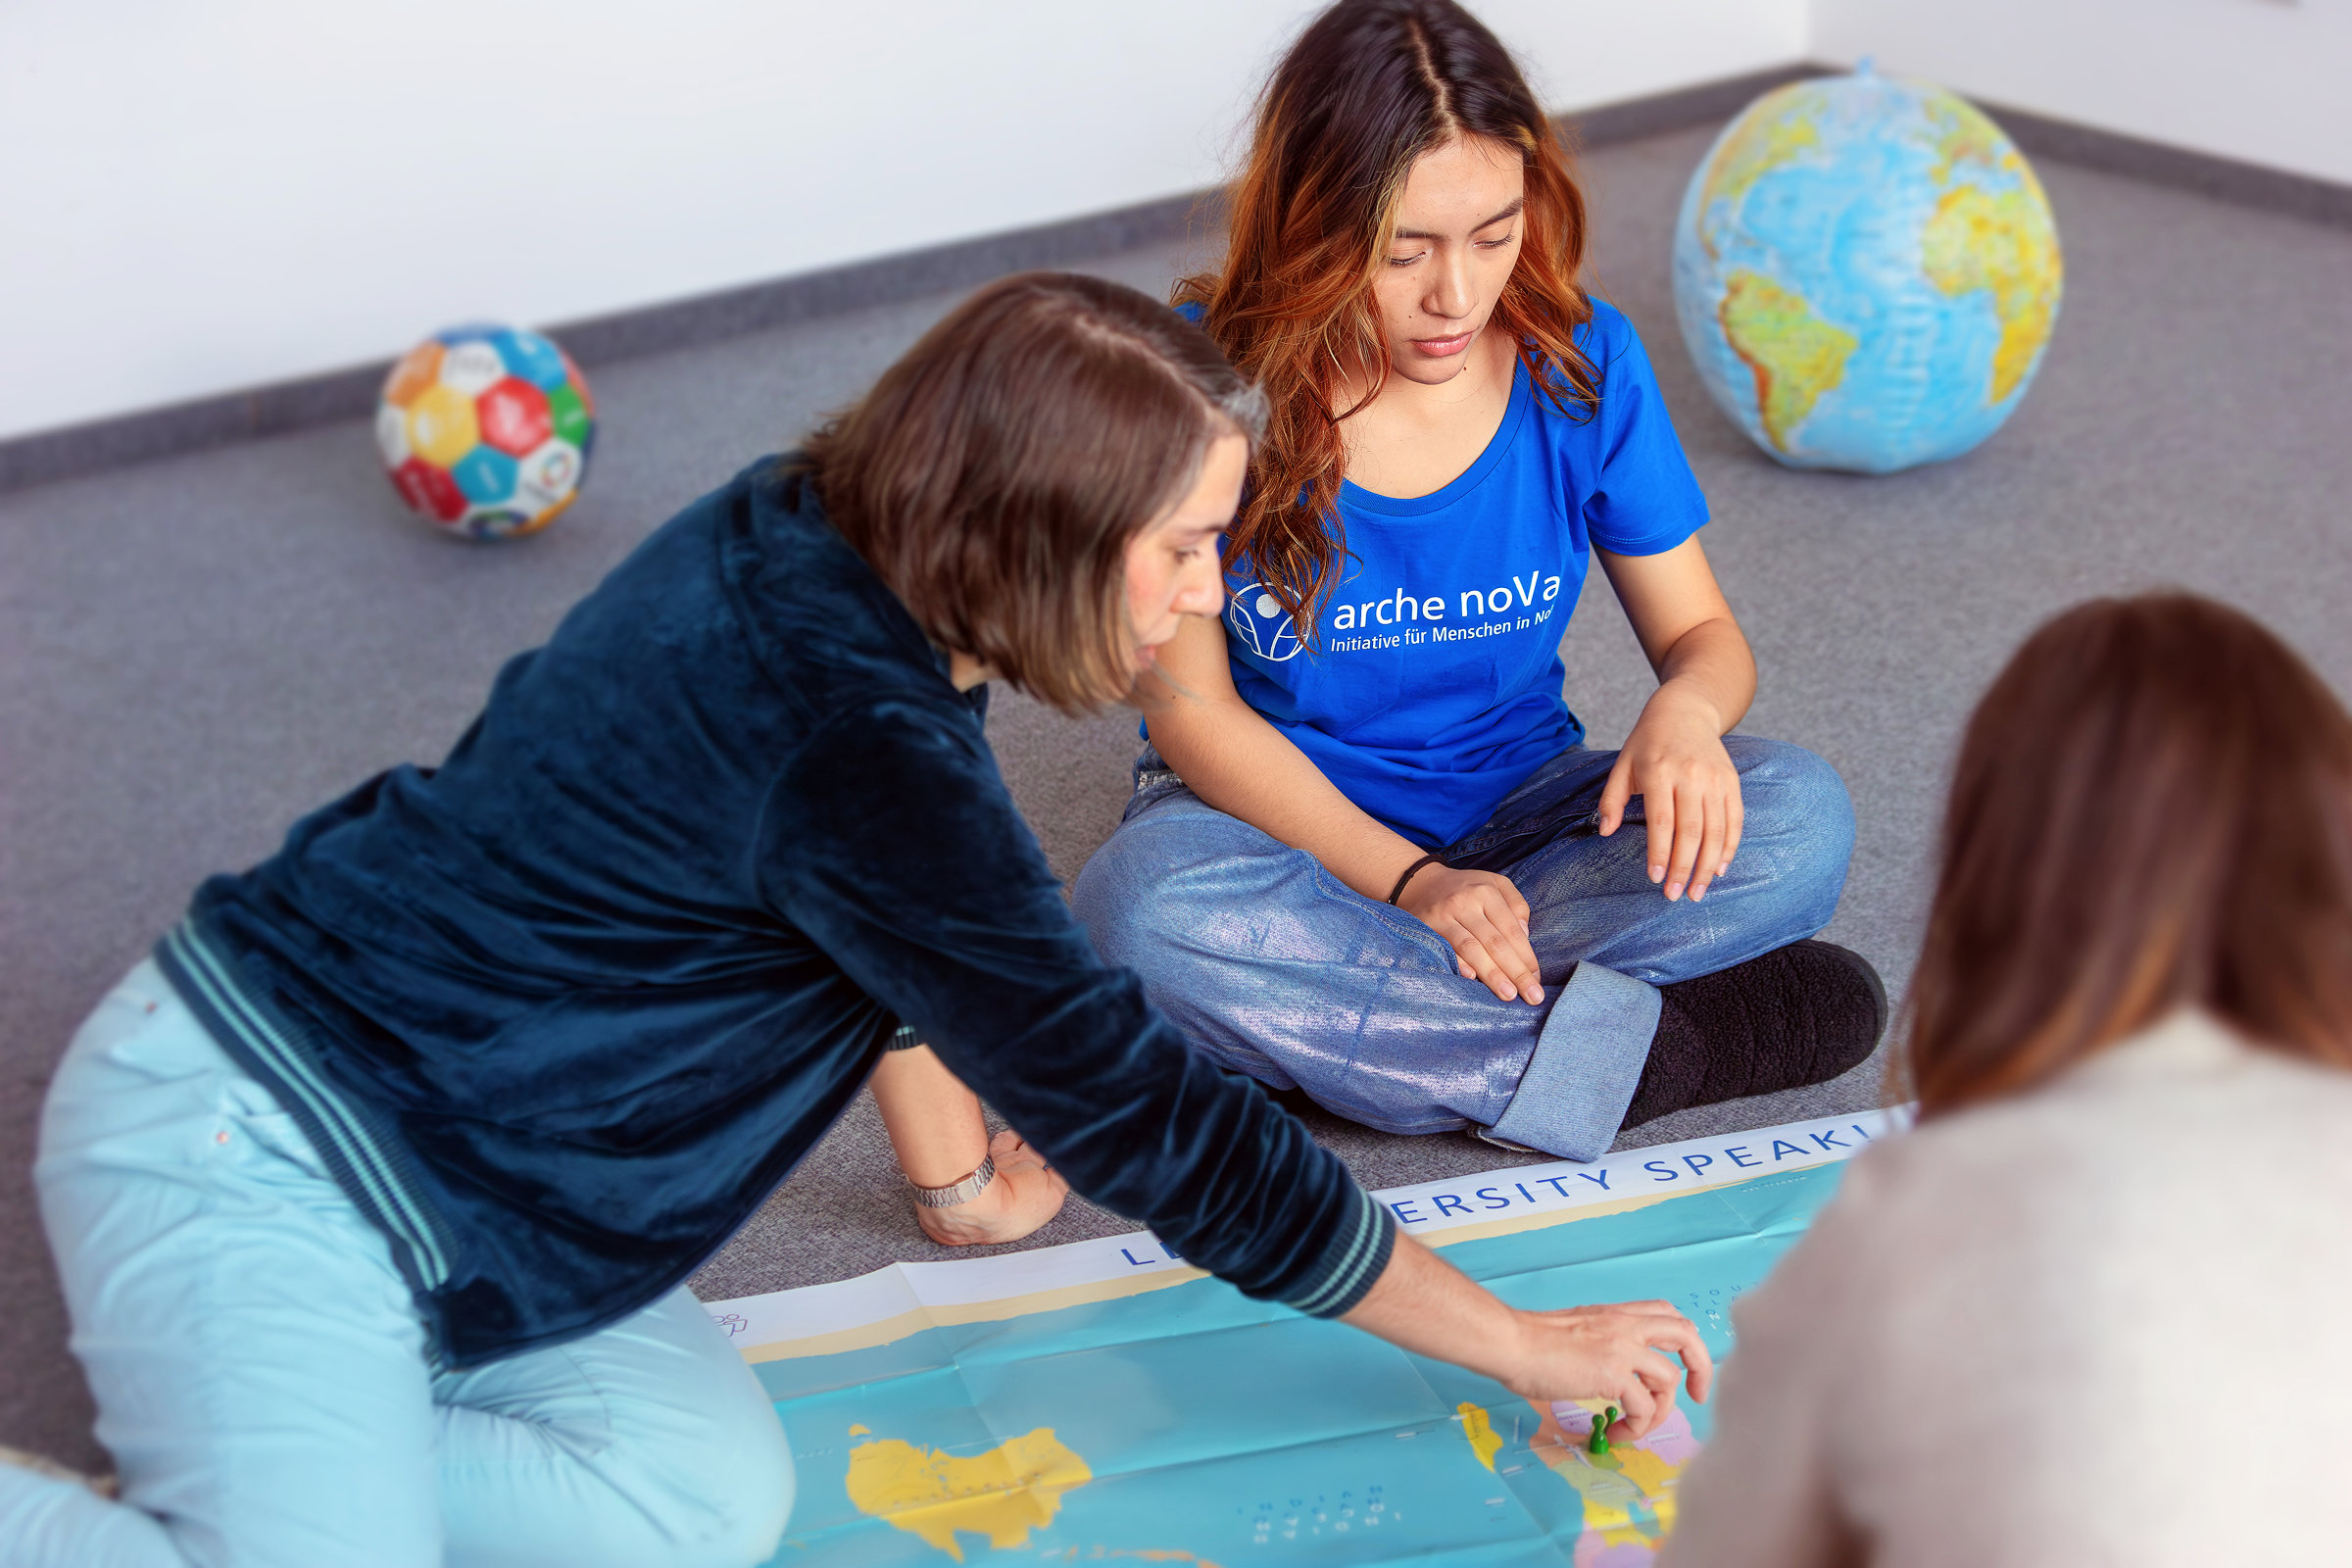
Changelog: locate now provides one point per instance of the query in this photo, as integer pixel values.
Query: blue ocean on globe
(1866, 272)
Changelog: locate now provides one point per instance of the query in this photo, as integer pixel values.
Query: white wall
(197, 197)
(2267, 81)
(1580, 53)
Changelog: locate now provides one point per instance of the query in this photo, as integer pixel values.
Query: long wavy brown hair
(1367, 89)
(2152, 809)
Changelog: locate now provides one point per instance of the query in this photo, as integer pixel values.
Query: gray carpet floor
(195, 651)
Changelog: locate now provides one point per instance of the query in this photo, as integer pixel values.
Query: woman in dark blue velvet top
(375, 1194)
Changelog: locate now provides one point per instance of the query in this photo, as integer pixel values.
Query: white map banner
(907, 1298)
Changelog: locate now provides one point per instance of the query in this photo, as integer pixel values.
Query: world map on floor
(1104, 1401)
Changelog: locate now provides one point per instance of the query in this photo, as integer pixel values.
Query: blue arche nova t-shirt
(1436, 688)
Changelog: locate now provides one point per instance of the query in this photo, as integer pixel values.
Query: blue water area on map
(1238, 1431)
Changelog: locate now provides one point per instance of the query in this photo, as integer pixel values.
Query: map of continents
(1867, 272)
(1158, 1415)
(1625, 1496)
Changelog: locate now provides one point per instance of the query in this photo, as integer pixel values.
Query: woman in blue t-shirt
(1368, 854)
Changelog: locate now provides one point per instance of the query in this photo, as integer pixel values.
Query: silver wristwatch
(962, 1192)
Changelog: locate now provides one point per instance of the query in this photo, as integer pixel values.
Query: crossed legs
(1275, 968)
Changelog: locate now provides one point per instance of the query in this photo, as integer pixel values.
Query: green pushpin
(1600, 1431)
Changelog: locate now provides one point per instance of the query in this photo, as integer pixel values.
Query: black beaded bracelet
(1408, 874)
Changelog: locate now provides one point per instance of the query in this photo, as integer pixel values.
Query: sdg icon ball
(486, 430)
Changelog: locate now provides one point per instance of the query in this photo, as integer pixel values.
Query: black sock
(1800, 1015)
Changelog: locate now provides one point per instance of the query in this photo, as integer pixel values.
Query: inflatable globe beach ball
(1866, 272)
(485, 430)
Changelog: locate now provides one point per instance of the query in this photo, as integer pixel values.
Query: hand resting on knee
(1483, 918)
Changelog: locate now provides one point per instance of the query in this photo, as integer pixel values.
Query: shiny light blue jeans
(1274, 967)
(261, 1374)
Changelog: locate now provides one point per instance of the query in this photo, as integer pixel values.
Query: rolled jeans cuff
(1587, 1063)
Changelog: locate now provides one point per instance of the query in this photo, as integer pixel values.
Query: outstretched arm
(890, 841)
(1247, 768)
(1424, 1304)
(948, 918)
(1675, 759)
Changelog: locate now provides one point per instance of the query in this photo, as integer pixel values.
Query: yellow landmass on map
(1627, 1492)
(1002, 1493)
(1793, 353)
(1484, 1440)
(1964, 136)
(2001, 241)
(1779, 127)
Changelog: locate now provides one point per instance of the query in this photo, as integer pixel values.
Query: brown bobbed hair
(994, 477)
(2153, 808)
(1367, 89)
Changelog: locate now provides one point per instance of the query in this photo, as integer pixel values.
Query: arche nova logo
(1264, 627)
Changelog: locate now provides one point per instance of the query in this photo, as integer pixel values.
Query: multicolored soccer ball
(486, 430)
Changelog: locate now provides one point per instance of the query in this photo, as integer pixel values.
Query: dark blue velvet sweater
(561, 1012)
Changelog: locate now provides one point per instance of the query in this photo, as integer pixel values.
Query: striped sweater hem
(360, 1148)
(1356, 1261)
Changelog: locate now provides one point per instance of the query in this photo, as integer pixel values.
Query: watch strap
(957, 1192)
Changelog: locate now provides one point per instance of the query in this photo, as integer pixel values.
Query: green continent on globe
(1795, 355)
(2001, 241)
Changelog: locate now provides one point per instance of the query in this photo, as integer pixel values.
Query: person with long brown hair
(374, 1190)
(1368, 854)
(2071, 1317)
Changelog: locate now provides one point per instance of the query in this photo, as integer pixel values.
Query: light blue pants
(261, 1368)
(1276, 968)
